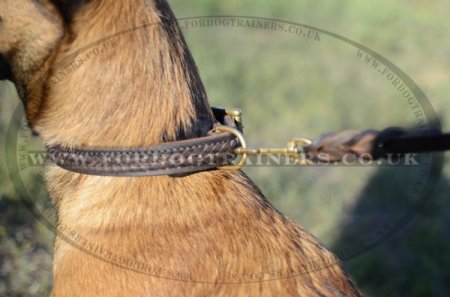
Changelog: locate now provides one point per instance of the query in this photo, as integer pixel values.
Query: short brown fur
(214, 228)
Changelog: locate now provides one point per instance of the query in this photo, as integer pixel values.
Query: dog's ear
(68, 8)
(30, 31)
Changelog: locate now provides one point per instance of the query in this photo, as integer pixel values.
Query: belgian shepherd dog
(210, 233)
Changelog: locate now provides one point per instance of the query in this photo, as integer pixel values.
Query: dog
(210, 233)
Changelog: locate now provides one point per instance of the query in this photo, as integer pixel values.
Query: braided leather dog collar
(182, 157)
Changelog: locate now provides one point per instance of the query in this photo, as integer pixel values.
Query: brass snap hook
(295, 150)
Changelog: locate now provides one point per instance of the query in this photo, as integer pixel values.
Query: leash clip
(295, 150)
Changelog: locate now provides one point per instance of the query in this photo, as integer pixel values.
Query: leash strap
(374, 144)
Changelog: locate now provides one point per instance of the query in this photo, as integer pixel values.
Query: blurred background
(289, 85)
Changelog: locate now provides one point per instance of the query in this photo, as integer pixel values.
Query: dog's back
(207, 234)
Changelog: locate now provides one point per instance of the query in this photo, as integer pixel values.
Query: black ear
(68, 8)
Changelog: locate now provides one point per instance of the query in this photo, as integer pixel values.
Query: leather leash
(372, 144)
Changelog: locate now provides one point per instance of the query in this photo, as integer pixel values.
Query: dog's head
(30, 30)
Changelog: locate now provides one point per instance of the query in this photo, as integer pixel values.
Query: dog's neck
(126, 80)
(134, 87)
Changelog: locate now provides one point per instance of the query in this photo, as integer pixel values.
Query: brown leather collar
(182, 157)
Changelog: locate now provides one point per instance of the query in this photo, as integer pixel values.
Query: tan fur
(211, 228)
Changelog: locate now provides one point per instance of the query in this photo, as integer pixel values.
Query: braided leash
(373, 144)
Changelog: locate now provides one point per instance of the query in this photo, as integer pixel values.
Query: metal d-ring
(243, 159)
